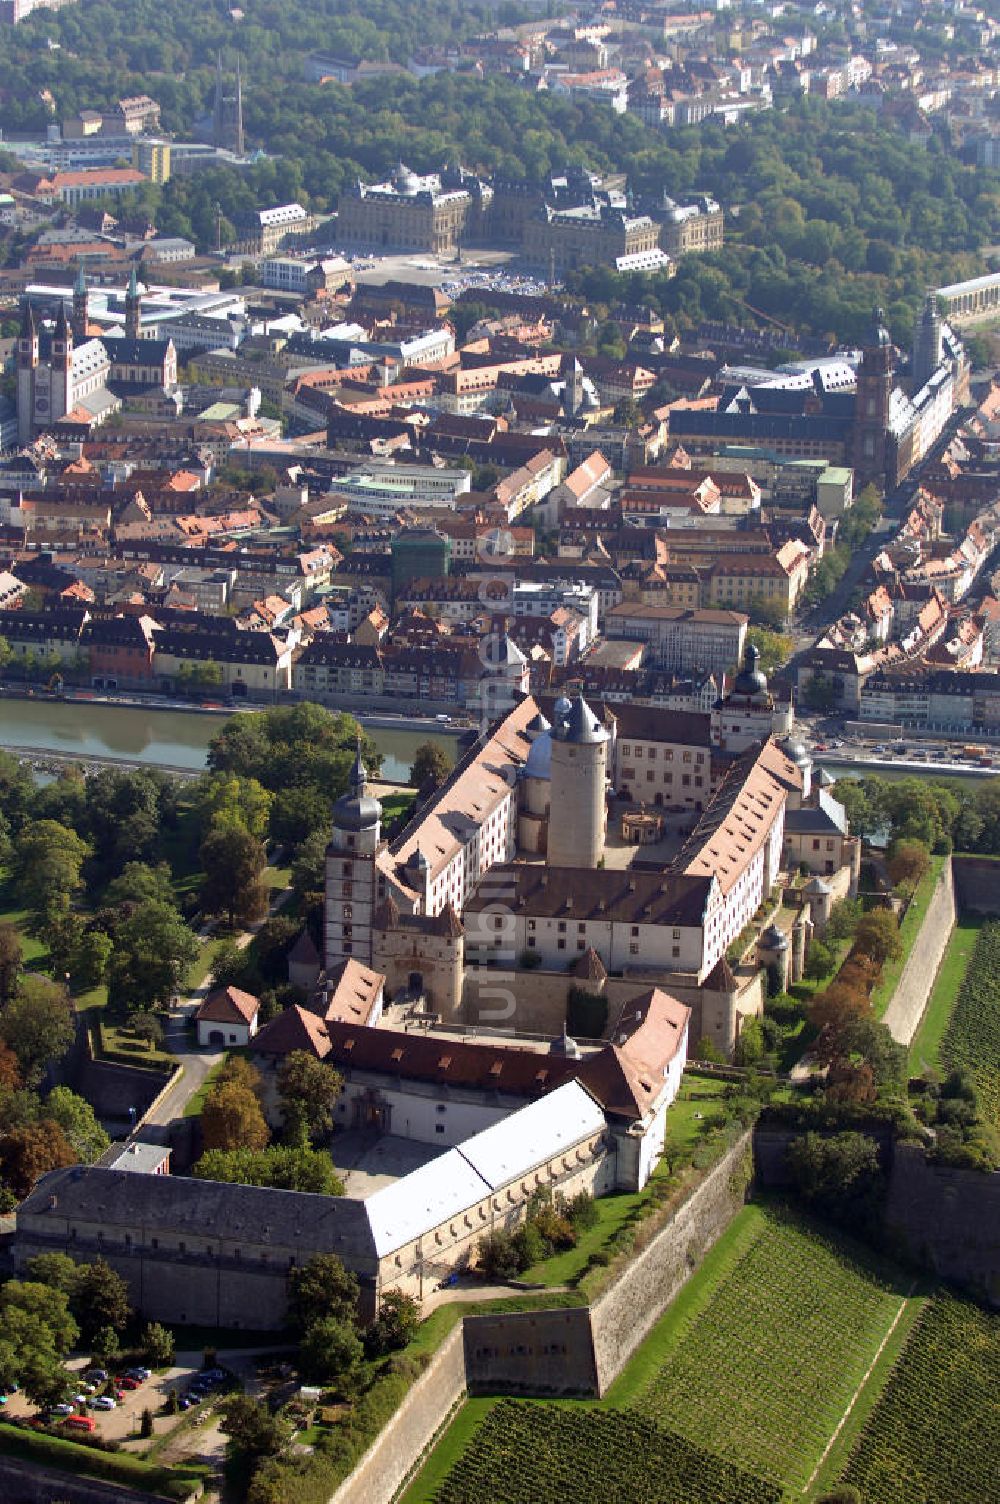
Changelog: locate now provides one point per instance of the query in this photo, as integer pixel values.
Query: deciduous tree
(280, 1166)
(231, 1119)
(141, 882)
(38, 1025)
(308, 1091)
(877, 936)
(320, 1288)
(76, 1118)
(330, 1353)
(100, 1299)
(431, 766)
(157, 1344)
(11, 957)
(252, 1429)
(152, 950)
(908, 862)
(233, 860)
(47, 859)
(395, 1324)
(30, 1152)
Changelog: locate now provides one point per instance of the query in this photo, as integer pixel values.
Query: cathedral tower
(61, 395)
(27, 366)
(133, 307)
(870, 446)
(81, 307)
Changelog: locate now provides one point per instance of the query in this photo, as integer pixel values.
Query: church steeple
(62, 340)
(81, 306)
(28, 338)
(133, 306)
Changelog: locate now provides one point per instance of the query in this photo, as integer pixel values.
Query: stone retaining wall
(625, 1313)
(563, 1350)
(23, 1482)
(977, 885)
(906, 1006)
(531, 1352)
(943, 1220)
(397, 1450)
(946, 1220)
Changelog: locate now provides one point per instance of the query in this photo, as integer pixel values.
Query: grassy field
(944, 994)
(11, 912)
(394, 805)
(932, 1437)
(754, 1365)
(913, 919)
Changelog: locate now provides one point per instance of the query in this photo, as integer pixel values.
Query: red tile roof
(229, 1005)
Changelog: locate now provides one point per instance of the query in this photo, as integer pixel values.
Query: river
(174, 738)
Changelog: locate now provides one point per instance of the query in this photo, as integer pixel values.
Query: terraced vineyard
(972, 1038)
(763, 1371)
(734, 1396)
(538, 1454)
(932, 1438)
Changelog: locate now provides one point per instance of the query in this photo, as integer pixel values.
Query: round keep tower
(578, 783)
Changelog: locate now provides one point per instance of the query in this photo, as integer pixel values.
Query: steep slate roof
(202, 1209)
(304, 952)
(668, 897)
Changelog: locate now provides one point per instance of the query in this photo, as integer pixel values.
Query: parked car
(138, 1373)
(96, 1376)
(63, 1409)
(80, 1423)
(127, 1383)
(103, 1402)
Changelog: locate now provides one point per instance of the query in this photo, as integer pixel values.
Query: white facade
(666, 774)
(212, 1033)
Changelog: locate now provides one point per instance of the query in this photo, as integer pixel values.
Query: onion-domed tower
(350, 870)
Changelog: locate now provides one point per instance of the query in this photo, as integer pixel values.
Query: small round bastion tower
(579, 775)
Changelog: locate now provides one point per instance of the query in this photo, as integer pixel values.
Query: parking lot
(122, 1423)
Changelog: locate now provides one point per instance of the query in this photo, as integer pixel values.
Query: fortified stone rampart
(24, 1482)
(531, 1352)
(944, 1220)
(906, 1006)
(565, 1350)
(625, 1313)
(977, 884)
(395, 1452)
